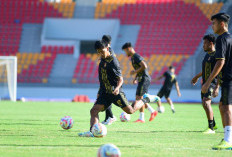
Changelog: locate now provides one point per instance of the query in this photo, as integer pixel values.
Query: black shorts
(119, 100)
(143, 86)
(226, 95)
(209, 94)
(164, 92)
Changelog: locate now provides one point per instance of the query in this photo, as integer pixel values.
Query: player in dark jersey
(142, 78)
(207, 67)
(109, 118)
(170, 79)
(223, 56)
(110, 90)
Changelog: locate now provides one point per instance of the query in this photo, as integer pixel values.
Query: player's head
(209, 42)
(102, 48)
(127, 47)
(171, 69)
(106, 39)
(220, 23)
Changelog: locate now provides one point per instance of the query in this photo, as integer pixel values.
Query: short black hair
(221, 17)
(100, 45)
(106, 38)
(171, 67)
(126, 45)
(210, 38)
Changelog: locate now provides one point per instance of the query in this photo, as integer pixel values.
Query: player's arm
(143, 66)
(216, 89)
(220, 56)
(216, 70)
(178, 89)
(158, 78)
(195, 78)
(118, 73)
(135, 80)
(120, 82)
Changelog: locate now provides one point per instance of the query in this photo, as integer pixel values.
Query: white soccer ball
(161, 109)
(66, 122)
(99, 130)
(108, 150)
(124, 117)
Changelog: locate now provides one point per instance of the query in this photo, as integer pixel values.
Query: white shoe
(86, 134)
(152, 98)
(103, 122)
(110, 120)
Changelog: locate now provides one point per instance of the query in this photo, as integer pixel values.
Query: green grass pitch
(32, 129)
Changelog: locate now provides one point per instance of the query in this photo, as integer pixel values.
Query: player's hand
(205, 87)
(132, 72)
(135, 81)
(194, 80)
(215, 92)
(179, 94)
(116, 91)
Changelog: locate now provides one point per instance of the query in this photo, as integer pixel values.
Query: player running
(208, 64)
(223, 56)
(170, 79)
(141, 77)
(110, 90)
(109, 118)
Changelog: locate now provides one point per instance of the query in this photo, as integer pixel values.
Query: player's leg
(160, 94)
(206, 103)
(141, 112)
(167, 94)
(110, 118)
(121, 101)
(94, 118)
(101, 104)
(139, 94)
(171, 104)
(226, 108)
(222, 113)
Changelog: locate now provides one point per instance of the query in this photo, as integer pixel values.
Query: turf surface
(32, 129)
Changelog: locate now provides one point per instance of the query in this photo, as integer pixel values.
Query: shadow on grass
(18, 135)
(97, 145)
(160, 131)
(24, 124)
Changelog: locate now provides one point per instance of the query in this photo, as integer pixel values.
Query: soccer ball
(66, 122)
(124, 117)
(99, 130)
(161, 109)
(108, 150)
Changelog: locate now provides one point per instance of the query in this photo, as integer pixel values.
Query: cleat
(103, 122)
(153, 115)
(173, 111)
(110, 120)
(215, 127)
(223, 145)
(152, 98)
(86, 134)
(139, 121)
(208, 131)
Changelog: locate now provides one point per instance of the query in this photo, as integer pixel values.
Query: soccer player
(109, 118)
(223, 56)
(110, 90)
(207, 67)
(170, 79)
(141, 77)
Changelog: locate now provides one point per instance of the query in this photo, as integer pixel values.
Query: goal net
(8, 77)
